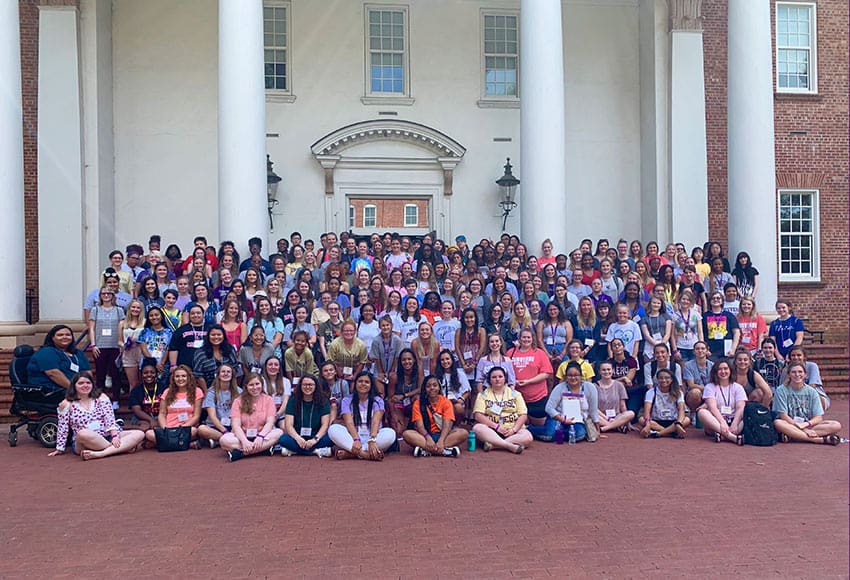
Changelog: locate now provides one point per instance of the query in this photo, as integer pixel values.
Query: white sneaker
(114, 405)
(285, 452)
(322, 452)
(419, 452)
(213, 443)
(451, 452)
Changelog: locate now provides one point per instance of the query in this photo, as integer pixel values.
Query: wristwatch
(373, 439)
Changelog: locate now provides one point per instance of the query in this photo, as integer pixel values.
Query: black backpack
(758, 425)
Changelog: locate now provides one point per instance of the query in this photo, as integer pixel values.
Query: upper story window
(501, 55)
(796, 47)
(276, 52)
(799, 236)
(387, 52)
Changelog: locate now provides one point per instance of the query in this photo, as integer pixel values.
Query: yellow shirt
(587, 372)
(504, 409)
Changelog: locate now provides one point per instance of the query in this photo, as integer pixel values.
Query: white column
(688, 157)
(543, 188)
(242, 199)
(752, 170)
(12, 262)
(60, 166)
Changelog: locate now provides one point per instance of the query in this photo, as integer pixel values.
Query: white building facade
(155, 117)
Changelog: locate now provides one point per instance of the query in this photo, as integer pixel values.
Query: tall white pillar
(688, 156)
(242, 199)
(543, 188)
(12, 262)
(60, 166)
(751, 159)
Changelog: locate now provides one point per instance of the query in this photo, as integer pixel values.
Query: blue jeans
(636, 397)
(545, 432)
(290, 443)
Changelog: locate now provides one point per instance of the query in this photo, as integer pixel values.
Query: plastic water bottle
(572, 435)
(471, 441)
(559, 436)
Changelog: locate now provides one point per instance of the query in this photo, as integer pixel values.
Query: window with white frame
(799, 225)
(276, 45)
(796, 58)
(411, 215)
(501, 55)
(370, 216)
(387, 52)
(351, 213)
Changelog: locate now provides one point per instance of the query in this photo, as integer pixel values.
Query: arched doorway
(388, 175)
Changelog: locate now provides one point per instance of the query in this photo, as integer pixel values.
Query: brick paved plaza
(619, 508)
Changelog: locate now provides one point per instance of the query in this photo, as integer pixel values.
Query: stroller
(34, 405)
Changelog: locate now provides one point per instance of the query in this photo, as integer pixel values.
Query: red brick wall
(818, 159)
(390, 212)
(29, 80)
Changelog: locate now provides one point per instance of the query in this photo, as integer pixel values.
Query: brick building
(123, 103)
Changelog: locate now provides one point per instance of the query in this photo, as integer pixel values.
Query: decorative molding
(439, 143)
(389, 101)
(498, 104)
(686, 15)
(328, 163)
(789, 180)
(274, 97)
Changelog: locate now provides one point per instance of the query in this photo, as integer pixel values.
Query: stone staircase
(834, 369)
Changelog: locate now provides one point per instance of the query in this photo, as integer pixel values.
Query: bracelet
(261, 436)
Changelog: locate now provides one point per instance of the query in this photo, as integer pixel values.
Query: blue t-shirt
(50, 358)
(784, 332)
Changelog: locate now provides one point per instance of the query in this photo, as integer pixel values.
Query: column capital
(686, 15)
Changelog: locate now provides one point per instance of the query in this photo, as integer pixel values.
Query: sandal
(623, 429)
(680, 430)
(718, 437)
(784, 438)
(739, 440)
(195, 444)
(519, 448)
(487, 446)
(831, 439)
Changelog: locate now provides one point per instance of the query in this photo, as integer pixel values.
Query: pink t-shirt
(751, 328)
(528, 365)
(725, 396)
(181, 410)
(263, 409)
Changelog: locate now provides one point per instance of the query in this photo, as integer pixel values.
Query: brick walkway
(622, 507)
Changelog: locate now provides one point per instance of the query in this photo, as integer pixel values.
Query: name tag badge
(226, 421)
(93, 425)
(182, 417)
(347, 371)
(746, 339)
(725, 410)
(610, 413)
(467, 355)
(588, 342)
(800, 419)
(106, 332)
(550, 340)
(727, 345)
(636, 319)
(496, 409)
(363, 432)
(250, 433)
(306, 431)
(75, 368)
(656, 336)
(197, 344)
(296, 380)
(787, 342)
(277, 399)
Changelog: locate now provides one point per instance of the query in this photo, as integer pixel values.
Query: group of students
(387, 339)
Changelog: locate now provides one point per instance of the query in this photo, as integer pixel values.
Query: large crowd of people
(352, 345)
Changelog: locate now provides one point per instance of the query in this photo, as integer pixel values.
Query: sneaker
(452, 452)
(276, 449)
(322, 452)
(654, 434)
(285, 452)
(419, 452)
(119, 422)
(234, 455)
(115, 405)
(213, 443)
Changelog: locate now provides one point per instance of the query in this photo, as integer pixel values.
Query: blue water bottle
(572, 440)
(471, 441)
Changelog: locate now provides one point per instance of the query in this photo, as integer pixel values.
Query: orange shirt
(442, 407)
(181, 410)
(263, 409)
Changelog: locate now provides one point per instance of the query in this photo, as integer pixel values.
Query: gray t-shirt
(664, 407)
(804, 403)
(106, 325)
(696, 374)
(222, 406)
